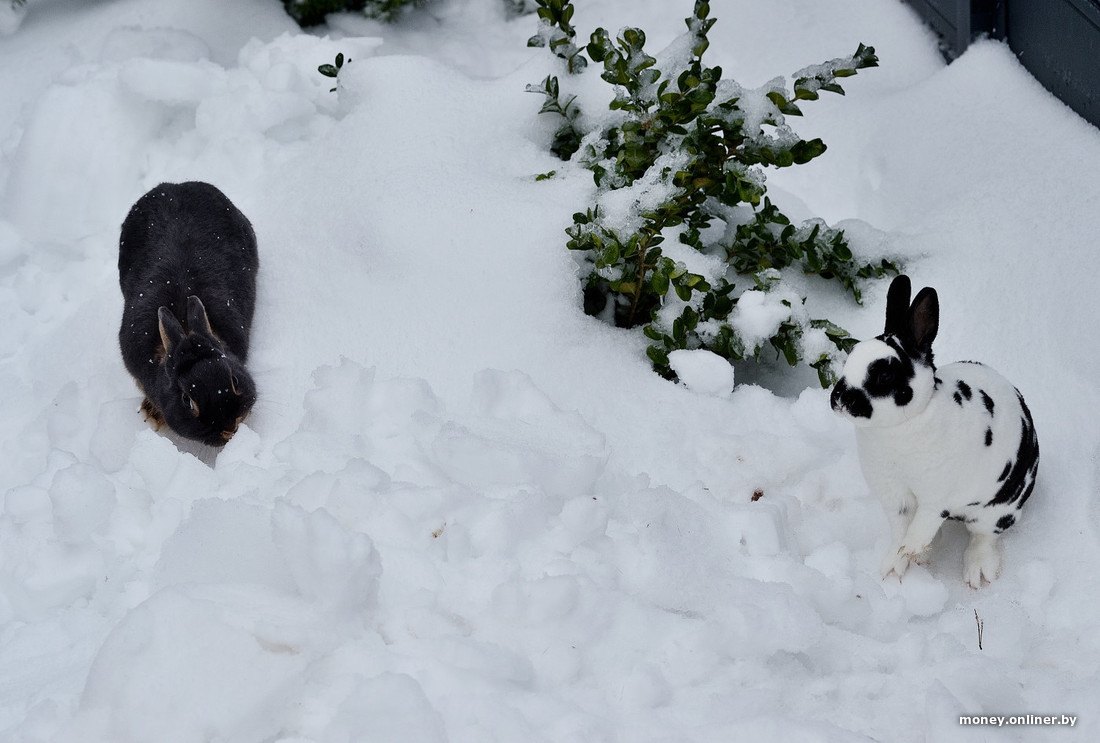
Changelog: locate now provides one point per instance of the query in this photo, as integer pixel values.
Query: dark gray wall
(1058, 41)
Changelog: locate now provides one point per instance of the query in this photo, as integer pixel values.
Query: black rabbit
(187, 265)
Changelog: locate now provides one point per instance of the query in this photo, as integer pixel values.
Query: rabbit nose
(851, 401)
(838, 392)
(228, 433)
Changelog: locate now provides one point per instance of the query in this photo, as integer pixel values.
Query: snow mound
(703, 371)
(461, 510)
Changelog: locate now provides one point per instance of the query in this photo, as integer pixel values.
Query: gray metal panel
(950, 19)
(1058, 41)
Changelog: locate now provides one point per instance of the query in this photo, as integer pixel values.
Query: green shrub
(333, 70)
(682, 156)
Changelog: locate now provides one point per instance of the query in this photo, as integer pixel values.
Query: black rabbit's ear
(924, 318)
(897, 306)
(171, 332)
(197, 322)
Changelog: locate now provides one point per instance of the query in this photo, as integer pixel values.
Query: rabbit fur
(187, 266)
(956, 442)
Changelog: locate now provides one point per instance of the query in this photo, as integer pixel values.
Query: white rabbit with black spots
(956, 442)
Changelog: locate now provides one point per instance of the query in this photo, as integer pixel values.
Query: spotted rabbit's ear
(924, 319)
(197, 321)
(897, 306)
(171, 332)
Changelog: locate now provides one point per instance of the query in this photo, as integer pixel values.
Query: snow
(461, 510)
(702, 371)
(759, 314)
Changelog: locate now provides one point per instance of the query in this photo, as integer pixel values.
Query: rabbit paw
(981, 560)
(898, 561)
(152, 415)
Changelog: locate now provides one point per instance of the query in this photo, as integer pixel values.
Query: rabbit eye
(883, 376)
(189, 403)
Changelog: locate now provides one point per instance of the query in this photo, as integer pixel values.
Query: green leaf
(634, 37)
(826, 377)
(690, 318)
(659, 283)
(657, 355)
(610, 254)
(679, 333)
(599, 45)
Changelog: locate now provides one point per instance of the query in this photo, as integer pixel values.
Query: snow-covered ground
(462, 510)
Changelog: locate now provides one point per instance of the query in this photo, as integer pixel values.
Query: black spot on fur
(945, 514)
(989, 437)
(891, 377)
(1004, 473)
(910, 348)
(883, 376)
(852, 400)
(1017, 485)
(903, 396)
(962, 392)
(1004, 522)
(987, 401)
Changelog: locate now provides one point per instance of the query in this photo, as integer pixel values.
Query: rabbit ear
(197, 320)
(171, 332)
(897, 306)
(924, 318)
